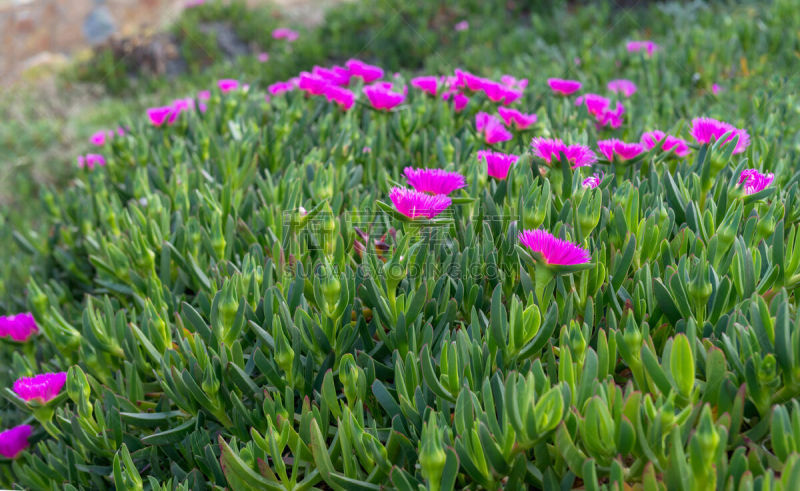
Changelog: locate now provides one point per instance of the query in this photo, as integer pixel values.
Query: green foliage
(224, 324)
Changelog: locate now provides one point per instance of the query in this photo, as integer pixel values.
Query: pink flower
(435, 181)
(468, 80)
(41, 388)
(14, 441)
(492, 128)
(19, 327)
(91, 160)
(652, 138)
(285, 33)
(497, 163)
(563, 87)
(553, 249)
(754, 181)
(649, 46)
(497, 92)
(158, 115)
(623, 151)
(280, 87)
(336, 75)
(263, 57)
(596, 104)
(626, 87)
(580, 155)
(312, 84)
(592, 181)
(428, 84)
(178, 106)
(204, 95)
(367, 73)
(715, 89)
(99, 137)
(520, 120)
(549, 149)
(513, 83)
(381, 97)
(414, 204)
(461, 26)
(707, 130)
(340, 95)
(227, 85)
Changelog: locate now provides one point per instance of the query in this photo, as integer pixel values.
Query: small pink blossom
(285, 33)
(461, 26)
(263, 57)
(491, 128)
(649, 46)
(19, 327)
(592, 181)
(514, 83)
(367, 73)
(622, 151)
(40, 388)
(563, 87)
(652, 138)
(520, 120)
(227, 85)
(626, 87)
(428, 84)
(414, 204)
(434, 181)
(382, 98)
(91, 160)
(281, 87)
(754, 181)
(497, 163)
(708, 130)
(14, 441)
(554, 250)
(159, 115)
(715, 89)
(99, 138)
(204, 95)
(460, 100)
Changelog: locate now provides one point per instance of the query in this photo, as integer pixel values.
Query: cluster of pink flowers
(754, 181)
(649, 46)
(549, 149)
(708, 130)
(505, 92)
(285, 33)
(19, 327)
(91, 160)
(650, 139)
(600, 107)
(99, 138)
(614, 149)
(169, 114)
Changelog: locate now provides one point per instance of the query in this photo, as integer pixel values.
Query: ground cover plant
(574, 266)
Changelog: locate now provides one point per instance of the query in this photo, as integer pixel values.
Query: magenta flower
(596, 104)
(461, 26)
(263, 57)
(491, 128)
(312, 84)
(549, 149)
(204, 95)
(428, 84)
(554, 250)
(563, 87)
(340, 96)
(514, 83)
(41, 388)
(14, 441)
(626, 87)
(285, 33)
(497, 163)
(580, 155)
(414, 204)
(649, 46)
(367, 73)
(227, 85)
(497, 92)
(381, 97)
(715, 89)
(652, 138)
(91, 160)
(592, 181)
(336, 75)
(617, 148)
(19, 327)
(611, 117)
(706, 130)
(754, 181)
(99, 138)
(434, 181)
(159, 115)
(468, 80)
(520, 120)
(281, 87)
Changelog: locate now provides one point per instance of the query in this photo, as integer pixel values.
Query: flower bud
(432, 456)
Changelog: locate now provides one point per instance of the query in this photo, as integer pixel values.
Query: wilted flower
(754, 181)
(706, 130)
(340, 95)
(652, 138)
(626, 87)
(497, 163)
(621, 150)
(285, 33)
(491, 128)
(592, 181)
(562, 86)
(435, 181)
(91, 160)
(414, 204)
(14, 441)
(382, 97)
(461, 26)
(649, 46)
(227, 85)
(41, 388)
(263, 57)
(428, 84)
(280, 87)
(549, 149)
(19, 327)
(368, 73)
(520, 120)
(553, 250)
